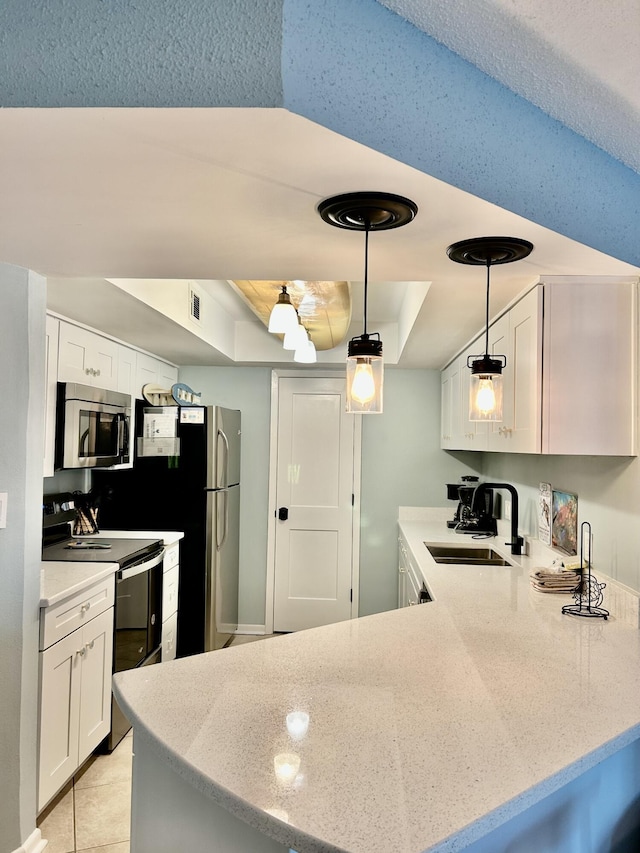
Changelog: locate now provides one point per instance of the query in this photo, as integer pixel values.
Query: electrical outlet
(507, 510)
(3, 509)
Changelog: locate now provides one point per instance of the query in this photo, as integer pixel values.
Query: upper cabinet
(558, 339)
(87, 358)
(590, 358)
(154, 371)
(50, 388)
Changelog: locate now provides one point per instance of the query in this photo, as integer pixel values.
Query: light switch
(4, 496)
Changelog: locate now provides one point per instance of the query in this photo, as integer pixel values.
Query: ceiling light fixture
(305, 352)
(366, 211)
(283, 315)
(485, 388)
(295, 337)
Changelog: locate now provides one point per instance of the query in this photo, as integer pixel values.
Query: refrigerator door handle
(225, 462)
(224, 527)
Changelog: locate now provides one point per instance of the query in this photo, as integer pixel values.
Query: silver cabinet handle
(89, 645)
(85, 607)
(81, 652)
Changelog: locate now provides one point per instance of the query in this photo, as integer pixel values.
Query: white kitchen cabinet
(474, 433)
(590, 359)
(518, 336)
(75, 701)
(170, 589)
(52, 330)
(409, 584)
(153, 371)
(87, 358)
(571, 372)
(451, 406)
(126, 370)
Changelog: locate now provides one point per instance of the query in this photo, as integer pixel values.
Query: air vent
(194, 305)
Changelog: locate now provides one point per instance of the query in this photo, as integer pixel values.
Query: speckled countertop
(427, 727)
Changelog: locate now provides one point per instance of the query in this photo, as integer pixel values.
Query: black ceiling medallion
(371, 211)
(483, 251)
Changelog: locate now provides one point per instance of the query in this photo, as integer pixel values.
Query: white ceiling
(197, 194)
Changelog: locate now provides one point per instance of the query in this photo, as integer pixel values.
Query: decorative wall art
(544, 514)
(564, 523)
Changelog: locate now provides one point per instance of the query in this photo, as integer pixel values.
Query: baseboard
(250, 629)
(35, 843)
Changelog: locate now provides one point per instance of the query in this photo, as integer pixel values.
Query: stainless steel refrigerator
(197, 492)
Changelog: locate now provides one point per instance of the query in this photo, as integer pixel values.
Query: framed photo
(564, 522)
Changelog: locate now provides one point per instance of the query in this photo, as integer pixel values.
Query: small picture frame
(564, 522)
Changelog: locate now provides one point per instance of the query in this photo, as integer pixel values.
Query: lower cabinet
(170, 587)
(75, 698)
(408, 584)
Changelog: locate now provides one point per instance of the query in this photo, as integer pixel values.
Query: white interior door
(314, 534)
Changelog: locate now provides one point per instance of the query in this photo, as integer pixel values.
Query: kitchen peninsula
(484, 720)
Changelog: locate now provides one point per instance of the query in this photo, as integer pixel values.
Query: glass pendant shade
(283, 317)
(485, 390)
(306, 353)
(365, 376)
(295, 338)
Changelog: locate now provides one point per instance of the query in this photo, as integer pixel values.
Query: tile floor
(92, 813)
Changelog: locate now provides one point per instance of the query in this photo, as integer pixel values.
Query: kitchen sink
(467, 555)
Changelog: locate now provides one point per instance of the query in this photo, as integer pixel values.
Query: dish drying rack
(588, 594)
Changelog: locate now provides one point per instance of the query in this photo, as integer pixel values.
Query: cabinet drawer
(169, 634)
(171, 556)
(170, 583)
(61, 619)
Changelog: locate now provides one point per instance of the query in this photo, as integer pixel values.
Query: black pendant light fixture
(485, 388)
(366, 211)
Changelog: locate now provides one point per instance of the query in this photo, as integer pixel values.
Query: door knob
(283, 513)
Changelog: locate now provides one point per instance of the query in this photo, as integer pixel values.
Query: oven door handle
(143, 566)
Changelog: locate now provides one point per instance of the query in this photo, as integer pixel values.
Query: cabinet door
(126, 370)
(590, 367)
(146, 372)
(50, 394)
(170, 583)
(167, 375)
(59, 714)
(169, 634)
(87, 358)
(499, 344)
(525, 332)
(474, 433)
(95, 683)
(451, 411)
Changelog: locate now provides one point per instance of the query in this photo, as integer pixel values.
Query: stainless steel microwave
(93, 427)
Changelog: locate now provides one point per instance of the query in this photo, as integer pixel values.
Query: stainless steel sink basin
(466, 555)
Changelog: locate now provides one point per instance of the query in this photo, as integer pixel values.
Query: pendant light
(485, 387)
(283, 315)
(306, 351)
(366, 211)
(296, 337)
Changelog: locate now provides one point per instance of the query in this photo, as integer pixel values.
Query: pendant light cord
(367, 226)
(486, 342)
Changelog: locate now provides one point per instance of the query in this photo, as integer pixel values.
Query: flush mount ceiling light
(366, 211)
(485, 388)
(283, 316)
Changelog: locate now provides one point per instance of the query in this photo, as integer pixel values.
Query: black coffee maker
(468, 518)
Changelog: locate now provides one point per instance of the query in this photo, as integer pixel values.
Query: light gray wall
(22, 356)
(608, 490)
(247, 389)
(401, 465)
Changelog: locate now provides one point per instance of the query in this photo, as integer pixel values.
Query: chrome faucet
(516, 541)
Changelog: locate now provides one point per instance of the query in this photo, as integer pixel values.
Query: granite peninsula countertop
(427, 726)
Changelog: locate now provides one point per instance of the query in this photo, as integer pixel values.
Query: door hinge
(351, 596)
(353, 500)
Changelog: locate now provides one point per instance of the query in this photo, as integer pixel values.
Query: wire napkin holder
(588, 594)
